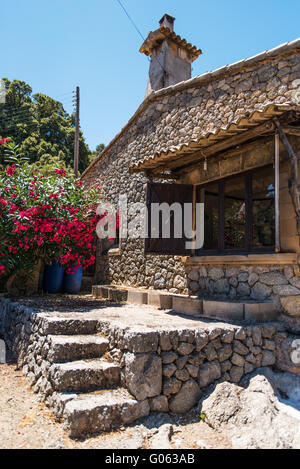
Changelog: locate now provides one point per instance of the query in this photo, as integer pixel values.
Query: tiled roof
(155, 38)
(207, 140)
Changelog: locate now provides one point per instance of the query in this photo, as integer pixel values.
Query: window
(159, 193)
(239, 213)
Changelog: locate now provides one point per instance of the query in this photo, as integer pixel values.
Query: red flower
(61, 171)
(11, 170)
(3, 141)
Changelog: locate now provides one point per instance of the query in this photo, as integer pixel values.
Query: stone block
(291, 305)
(137, 297)
(186, 305)
(103, 291)
(96, 292)
(223, 309)
(159, 404)
(160, 300)
(116, 295)
(187, 397)
(208, 373)
(261, 312)
(140, 342)
(143, 375)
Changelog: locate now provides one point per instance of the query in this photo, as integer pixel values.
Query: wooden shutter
(169, 193)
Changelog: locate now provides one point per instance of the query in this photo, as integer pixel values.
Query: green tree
(41, 126)
(94, 154)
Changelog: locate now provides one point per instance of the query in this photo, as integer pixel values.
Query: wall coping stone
(250, 259)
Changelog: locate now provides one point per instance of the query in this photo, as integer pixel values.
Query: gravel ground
(27, 423)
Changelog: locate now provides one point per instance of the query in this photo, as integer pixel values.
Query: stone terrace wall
(169, 368)
(172, 117)
(256, 282)
(172, 368)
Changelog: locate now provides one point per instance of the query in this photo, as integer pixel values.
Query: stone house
(229, 139)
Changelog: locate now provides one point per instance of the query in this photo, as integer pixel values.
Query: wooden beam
(293, 179)
(290, 130)
(154, 174)
(277, 205)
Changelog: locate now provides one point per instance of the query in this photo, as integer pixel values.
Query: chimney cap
(167, 21)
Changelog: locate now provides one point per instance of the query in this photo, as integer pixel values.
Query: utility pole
(76, 146)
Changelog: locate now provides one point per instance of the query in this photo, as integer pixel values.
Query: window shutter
(167, 193)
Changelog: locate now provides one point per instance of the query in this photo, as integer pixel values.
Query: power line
(130, 19)
(27, 113)
(65, 94)
(53, 98)
(21, 112)
(139, 32)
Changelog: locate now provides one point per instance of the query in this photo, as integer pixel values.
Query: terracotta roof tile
(155, 38)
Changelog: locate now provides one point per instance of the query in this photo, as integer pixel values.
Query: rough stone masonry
(168, 120)
(163, 368)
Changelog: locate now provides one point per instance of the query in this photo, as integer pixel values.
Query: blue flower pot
(72, 281)
(53, 278)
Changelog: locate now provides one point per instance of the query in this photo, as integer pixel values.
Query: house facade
(228, 139)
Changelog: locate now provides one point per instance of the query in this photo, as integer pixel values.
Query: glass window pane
(210, 197)
(263, 208)
(234, 213)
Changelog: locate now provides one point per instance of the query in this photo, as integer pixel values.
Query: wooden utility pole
(76, 146)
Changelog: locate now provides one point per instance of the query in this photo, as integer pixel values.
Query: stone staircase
(85, 383)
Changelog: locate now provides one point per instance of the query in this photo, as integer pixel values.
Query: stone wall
(172, 117)
(170, 368)
(256, 282)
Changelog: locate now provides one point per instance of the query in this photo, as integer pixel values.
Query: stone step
(84, 375)
(161, 300)
(226, 310)
(68, 326)
(106, 410)
(66, 348)
(243, 310)
(187, 305)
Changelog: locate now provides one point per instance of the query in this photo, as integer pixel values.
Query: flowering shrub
(50, 217)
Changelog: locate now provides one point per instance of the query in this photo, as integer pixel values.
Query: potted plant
(72, 280)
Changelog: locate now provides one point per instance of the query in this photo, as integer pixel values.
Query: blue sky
(59, 44)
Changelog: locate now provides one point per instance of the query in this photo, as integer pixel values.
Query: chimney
(168, 22)
(171, 56)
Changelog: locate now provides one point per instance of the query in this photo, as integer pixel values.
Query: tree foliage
(41, 127)
(94, 154)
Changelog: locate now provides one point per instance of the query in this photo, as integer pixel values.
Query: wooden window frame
(248, 222)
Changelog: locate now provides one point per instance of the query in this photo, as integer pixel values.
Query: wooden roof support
(293, 180)
(290, 130)
(179, 162)
(277, 195)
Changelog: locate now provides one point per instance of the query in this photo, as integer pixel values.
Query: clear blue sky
(58, 44)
